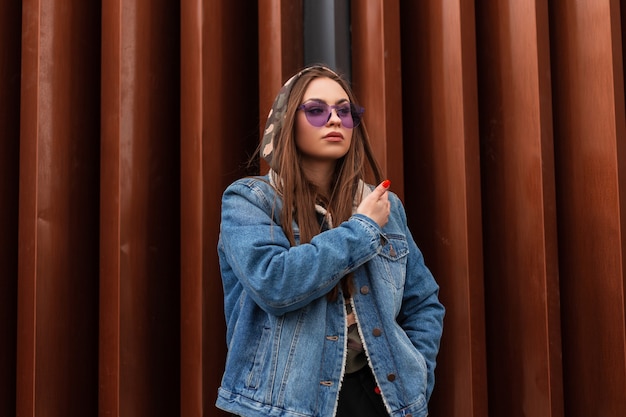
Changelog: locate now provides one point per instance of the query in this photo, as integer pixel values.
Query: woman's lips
(334, 136)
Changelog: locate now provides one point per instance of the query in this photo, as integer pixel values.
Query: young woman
(330, 310)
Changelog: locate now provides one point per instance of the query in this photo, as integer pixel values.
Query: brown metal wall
(501, 124)
(57, 299)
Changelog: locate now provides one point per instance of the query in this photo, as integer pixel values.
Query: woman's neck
(320, 174)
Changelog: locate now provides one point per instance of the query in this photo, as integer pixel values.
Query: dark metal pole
(327, 34)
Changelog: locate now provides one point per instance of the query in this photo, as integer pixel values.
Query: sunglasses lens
(316, 113)
(345, 114)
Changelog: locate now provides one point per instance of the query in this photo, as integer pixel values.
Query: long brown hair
(298, 193)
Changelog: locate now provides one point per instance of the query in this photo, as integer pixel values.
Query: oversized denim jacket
(287, 342)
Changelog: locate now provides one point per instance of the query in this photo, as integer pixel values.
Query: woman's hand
(376, 205)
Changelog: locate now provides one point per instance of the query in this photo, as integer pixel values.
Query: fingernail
(386, 183)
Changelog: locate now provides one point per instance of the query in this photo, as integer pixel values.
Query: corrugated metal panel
(519, 217)
(57, 344)
(140, 210)
(443, 193)
(588, 79)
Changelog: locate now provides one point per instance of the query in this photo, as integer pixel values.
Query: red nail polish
(386, 183)
(377, 390)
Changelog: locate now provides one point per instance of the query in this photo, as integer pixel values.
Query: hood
(276, 116)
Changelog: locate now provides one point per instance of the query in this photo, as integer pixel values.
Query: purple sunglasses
(318, 113)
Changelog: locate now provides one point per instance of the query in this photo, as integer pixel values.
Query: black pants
(358, 396)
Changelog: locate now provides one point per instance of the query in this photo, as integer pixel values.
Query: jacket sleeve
(421, 314)
(278, 277)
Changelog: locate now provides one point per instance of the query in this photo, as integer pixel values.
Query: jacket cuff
(373, 230)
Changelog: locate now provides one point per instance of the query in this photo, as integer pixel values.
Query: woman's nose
(334, 117)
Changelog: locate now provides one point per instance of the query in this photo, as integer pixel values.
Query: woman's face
(327, 143)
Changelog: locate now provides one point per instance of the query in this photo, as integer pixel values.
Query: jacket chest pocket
(393, 259)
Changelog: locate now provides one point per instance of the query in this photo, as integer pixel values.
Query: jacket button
(391, 377)
(365, 290)
(377, 332)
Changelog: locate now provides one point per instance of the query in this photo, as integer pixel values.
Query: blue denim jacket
(287, 341)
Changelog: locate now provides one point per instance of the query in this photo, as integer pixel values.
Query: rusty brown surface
(58, 219)
(443, 193)
(589, 143)
(377, 81)
(140, 210)
(520, 241)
